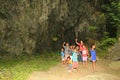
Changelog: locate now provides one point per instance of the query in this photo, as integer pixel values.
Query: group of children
(71, 55)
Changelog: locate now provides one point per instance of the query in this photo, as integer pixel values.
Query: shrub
(100, 52)
(107, 43)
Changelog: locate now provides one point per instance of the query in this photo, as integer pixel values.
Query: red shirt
(80, 46)
(84, 52)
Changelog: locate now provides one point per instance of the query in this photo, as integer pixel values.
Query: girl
(75, 59)
(84, 55)
(93, 56)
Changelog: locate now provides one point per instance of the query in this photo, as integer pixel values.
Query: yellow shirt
(70, 61)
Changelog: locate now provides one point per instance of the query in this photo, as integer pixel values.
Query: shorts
(84, 58)
(75, 64)
(79, 58)
(93, 59)
(62, 58)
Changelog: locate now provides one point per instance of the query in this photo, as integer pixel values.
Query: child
(84, 55)
(62, 55)
(93, 56)
(79, 54)
(75, 59)
(80, 44)
(70, 63)
(66, 48)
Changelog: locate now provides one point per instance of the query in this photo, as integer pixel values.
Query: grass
(20, 68)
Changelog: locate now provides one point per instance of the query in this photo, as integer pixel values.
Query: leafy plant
(107, 43)
(104, 45)
(112, 10)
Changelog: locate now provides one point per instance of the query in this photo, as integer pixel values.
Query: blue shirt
(93, 54)
(62, 53)
(74, 57)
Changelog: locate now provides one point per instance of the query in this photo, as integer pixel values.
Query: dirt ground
(104, 71)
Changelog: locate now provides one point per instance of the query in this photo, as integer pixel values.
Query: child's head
(93, 46)
(75, 49)
(81, 42)
(68, 58)
(62, 49)
(67, 44)
(84, 47)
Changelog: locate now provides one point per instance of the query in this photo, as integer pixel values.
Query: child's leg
(93, 66)
(78, 58)
(86, 64)
(63, 62)
(77, 66)
(62, 59)
(83, 61)
(86, 61)
(70, 68)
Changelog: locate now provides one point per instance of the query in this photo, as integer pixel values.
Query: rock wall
(29, 26)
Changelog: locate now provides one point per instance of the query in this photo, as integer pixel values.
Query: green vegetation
(35, 26)
(107, 43)
(104, 45)
(20, 67)
(111, 9)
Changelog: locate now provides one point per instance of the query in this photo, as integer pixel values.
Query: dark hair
(92, 45)
(63, 48)
(68, 57)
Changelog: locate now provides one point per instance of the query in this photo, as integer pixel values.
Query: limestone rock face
(28, 26)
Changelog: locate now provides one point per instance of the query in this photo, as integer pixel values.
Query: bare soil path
(104, 71)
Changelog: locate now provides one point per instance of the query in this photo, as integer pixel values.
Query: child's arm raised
(64, 44)
(76, 41)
